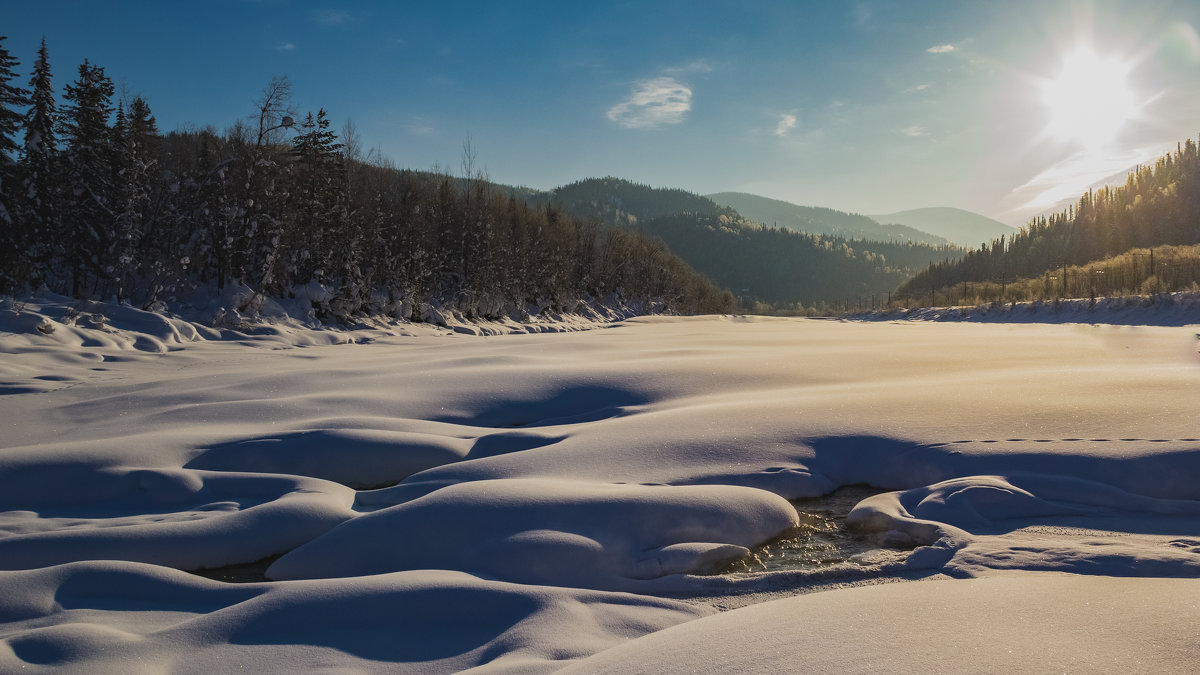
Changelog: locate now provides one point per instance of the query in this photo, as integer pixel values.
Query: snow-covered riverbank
(525, 501)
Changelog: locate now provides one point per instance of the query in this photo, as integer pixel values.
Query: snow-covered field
(427, 501)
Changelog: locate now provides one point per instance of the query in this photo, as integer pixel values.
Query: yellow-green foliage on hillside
(1141, 271)
(1158, 206)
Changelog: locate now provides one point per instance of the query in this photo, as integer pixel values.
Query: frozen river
(527, 502)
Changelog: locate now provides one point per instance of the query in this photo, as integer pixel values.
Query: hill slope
(621, 202)
(1157, 206)
(965, 228)
(783, 267)
(817, 220)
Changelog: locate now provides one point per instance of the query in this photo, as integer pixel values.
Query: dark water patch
(822, 539)
(243, 573)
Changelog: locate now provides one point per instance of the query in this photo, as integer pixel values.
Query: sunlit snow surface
(431, 501)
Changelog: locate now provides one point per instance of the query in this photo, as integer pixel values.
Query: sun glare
(1089, 100)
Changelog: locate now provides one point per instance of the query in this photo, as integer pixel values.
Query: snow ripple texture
(434, 501)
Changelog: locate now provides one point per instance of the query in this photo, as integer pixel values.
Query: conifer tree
(38, 214)
(88, 225)
(319, 199)
(135, 140)
(11, 98)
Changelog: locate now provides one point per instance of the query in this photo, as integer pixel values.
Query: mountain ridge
(821, 220)
(965, 228)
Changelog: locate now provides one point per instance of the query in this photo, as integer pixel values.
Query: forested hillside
(621, 202)
(786, 268)
(96, 202)
(1158, 205)
(818, 220)
(763, 265)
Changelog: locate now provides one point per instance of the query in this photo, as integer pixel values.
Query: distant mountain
(964, 228)
(784, 267)
(818, 220)
(759, 262)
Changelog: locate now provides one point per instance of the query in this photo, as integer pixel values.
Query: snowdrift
(432, 501)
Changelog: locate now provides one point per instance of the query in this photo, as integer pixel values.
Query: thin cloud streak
(697, 66)
(333, 17)
(1065, 181)
(940, 49)
(787, 122)
(653, 103)
(420, 126)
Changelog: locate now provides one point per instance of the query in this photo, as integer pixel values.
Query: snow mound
(569, 533)
(174, 517)
(628, 458)
(356, 457)
(99, 617)
(945, 519)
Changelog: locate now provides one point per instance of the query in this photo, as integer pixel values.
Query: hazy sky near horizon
(870, 107)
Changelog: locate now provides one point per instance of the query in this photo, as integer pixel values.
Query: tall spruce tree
(135, 140)
(319, 200)
(11, 99)
(87, 177)
(38, 159)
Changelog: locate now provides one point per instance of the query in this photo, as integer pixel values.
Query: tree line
(96, 202)
(1158, 205)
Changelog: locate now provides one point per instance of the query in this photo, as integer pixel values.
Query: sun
(1089, 99)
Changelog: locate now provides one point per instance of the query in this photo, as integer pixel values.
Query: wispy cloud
(284, 47)
(861, 15)
(915, 131)
(787, 122)
(940, 49)
(1186, 34)
(697, 66)
(653, 103)
(1067, 179)
(333, 17)
(420, 126)
(918, 88)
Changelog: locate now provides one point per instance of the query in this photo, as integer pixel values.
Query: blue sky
(867, 106)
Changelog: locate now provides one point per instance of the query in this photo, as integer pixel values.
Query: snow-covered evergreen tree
(319, 199)
(38, 156)
(12, 98)
(87, 176)
(135, 140)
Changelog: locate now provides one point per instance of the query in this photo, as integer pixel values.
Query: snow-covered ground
(430, 501)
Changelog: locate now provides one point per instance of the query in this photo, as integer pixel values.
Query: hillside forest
(1134, 238)
(96, 202)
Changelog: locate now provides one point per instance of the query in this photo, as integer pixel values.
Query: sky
(869, 107)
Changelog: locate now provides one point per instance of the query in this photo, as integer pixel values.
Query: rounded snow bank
(1023, 623)
(557, 532)
(358, 457)
(118, 617)
(173, 517)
